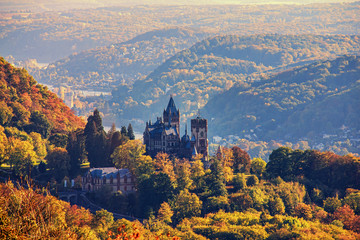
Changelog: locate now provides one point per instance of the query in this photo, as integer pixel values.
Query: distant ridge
(214, 65)
(305, 102)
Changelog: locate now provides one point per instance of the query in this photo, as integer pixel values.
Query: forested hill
(29, 106)
(308, 101)
(109, 66)
(208, 68)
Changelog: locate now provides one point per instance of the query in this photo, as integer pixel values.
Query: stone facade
(116, 179)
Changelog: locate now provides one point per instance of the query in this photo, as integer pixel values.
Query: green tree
(258, 166)
(116, 140)
(276, 206)
(216, 181)
(40, 124)
(130, 132)
(239, 182)
(353, 200)
(59, 140)
(331, 204)
(215, 203)
(154, 190)
(20, 155)
(101, 223)
(96, 143)
(76, 151)
(252, 180)
(6, 114)
(282, 162)
(58, 161)
(39, 145)
(3, 145)
(186, 205)
(124, 131)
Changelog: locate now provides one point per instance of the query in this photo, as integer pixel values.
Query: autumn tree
(183, 173)
(197, 173)
(304, 211)
(165, 213)
(130, 155)
(164, 164)
(241, 160)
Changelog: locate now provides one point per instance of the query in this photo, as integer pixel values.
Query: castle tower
(199, 130)
(171, 115)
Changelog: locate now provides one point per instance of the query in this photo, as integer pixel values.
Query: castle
(164, 135)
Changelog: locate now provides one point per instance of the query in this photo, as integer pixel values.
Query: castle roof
(171, 131)
(171, 108)
(108, 172)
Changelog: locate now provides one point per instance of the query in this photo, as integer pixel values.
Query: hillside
(214, 65)
(29, 106)
(48, 36)
(123, 63)
(305, 102)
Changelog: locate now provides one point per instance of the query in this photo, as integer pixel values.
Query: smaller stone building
(116, 179)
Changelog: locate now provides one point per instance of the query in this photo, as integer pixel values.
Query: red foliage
(19, 86)
(347, 216)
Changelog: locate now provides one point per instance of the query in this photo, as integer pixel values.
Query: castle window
(201, 134)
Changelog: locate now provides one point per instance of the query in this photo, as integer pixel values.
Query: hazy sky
(68, 4)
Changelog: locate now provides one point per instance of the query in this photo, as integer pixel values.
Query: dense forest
(297, 194)
(33, 121)
(209, 67)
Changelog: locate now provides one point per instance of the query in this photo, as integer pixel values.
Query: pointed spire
(171, 106)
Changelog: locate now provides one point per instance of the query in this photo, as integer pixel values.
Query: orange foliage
(21, 88)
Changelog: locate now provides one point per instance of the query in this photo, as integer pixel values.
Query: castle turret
(199, 133)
